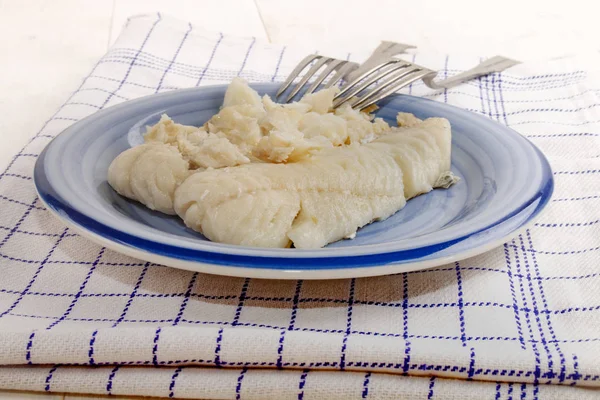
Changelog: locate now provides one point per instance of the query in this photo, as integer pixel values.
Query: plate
(506, 182)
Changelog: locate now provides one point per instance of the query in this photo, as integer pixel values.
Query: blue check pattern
(522, 320)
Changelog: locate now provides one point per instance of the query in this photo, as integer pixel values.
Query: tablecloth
(522, 320)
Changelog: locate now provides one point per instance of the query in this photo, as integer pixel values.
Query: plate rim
(291, 274)
(217, 262)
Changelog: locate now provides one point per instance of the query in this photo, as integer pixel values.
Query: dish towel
(521, 321)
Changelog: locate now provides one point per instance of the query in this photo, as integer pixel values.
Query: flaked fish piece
(167, 131)
(249, 128)
(407, 120)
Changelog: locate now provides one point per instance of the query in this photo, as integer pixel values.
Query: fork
(379, 76)
(394, 74)
(343, 68)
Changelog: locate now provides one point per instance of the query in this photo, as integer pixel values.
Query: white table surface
(48, 46)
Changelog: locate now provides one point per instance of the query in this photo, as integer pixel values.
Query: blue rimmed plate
(506, 182)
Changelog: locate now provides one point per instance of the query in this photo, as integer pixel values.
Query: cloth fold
(520, 320)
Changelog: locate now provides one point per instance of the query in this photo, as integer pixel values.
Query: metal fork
(343, 68)
(393, 74)
(379, 76)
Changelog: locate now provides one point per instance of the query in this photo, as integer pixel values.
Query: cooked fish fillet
(422, 151)
(320, 199)
(149, 173)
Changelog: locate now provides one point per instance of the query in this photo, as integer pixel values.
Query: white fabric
(507, 322)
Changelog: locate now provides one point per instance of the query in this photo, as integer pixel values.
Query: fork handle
(494, 64)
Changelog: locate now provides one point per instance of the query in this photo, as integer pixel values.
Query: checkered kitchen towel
(522, 320)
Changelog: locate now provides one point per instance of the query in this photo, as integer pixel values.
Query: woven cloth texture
(522, 320)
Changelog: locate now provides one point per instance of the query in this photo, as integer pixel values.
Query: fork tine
(368, 82)
(342, 72)
(313, 70)
(383, 86)
(294, 74)
(391, 86)
(362, 76)
(333, 65)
